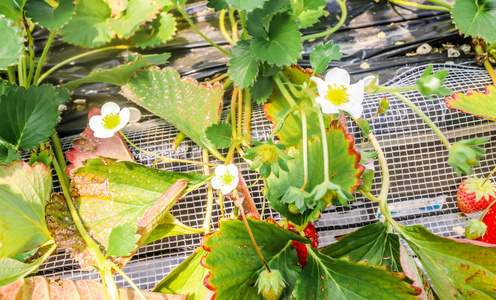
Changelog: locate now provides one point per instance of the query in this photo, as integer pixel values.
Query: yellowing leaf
(475, 103)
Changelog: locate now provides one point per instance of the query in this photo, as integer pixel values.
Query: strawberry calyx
(475, 229)
(270, 284)
(476, 185)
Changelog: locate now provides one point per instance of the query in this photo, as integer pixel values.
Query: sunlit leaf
(245, 4)
(137, 13)
(47, 16)
(476, 18)
(117, 6)
(189, 106)
(12, 45)
(219, 134)
(322, 55)
(311, 12)
(157, 32)
(122, 240)
(482, 105)
(169, 226)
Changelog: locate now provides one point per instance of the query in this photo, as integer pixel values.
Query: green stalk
(243, 24)
(280, 122)
(53, 33)
(247, 119)
(305, 147)
(222, 26)
(82, 55)
(442, 3)
(104, 283)
(11, 73)
(25, 70)
(31, 49)
(344, 15)
(284, 92)
(488, 176)
(210, 195)
(186, 17)
(233, 112)
(421, 114)
(59, 155)
(19, 71)
(234, 28)
(239, 127)
(324, 144)
(118, 270)
(421, 6)
(480, 50)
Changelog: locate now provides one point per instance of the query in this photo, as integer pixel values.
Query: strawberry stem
(489, 176)
(486, 210)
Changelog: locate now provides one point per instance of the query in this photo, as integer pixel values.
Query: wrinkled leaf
(169, 226)
(234, 263)
(12, 46)
(7, 154)
(311, 12)
(323, 54)
(282, 46)
(372, 243)
(46, 16)
(187, 278)
(475, 103)
(460, 269)
(476, 18)
(137, 12)
(28, 117)
(88, 27)
(36, 288)
(258, 21)
(243, 66)
(24, 192)
(157, 32)
(219, 134)
(122, 240)
(327, 278)
(189, 106)
(119, 75)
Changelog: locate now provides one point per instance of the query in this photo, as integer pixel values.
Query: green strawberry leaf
(383, 106)
(12, 46)
(327, 278)
(169, 226)
(243, 66)
(7, 154)
(372, 243)
(245, 4)
(476, 18)
(231, 246)
(282, 46)
(157, 32)
(117, 6)
(152, 59)
(290, 133)
(119, 75)
(258, 21)
(218, 4)
(12, 9)
(344, 170)
(219, 134)
(88, 27)
(187, 278)
(311, 12)
(12, 270)
(47, 16)
(44, 156)
(262, 89)
(475, 103)
(137, 13)
(130, 195)
(457, 269)
(28, 117)
(364, 126)
(24, 192)
(322, 55)
(189, 106)
(122, 240)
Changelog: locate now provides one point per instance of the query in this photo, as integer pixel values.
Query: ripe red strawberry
(490, 220)
(301, 250)
(473, 197)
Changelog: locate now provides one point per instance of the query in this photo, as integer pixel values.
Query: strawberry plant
(110, 204)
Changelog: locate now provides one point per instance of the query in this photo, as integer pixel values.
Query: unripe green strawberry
(475, 229)
(270, 284)
(474, 195)
(293, 209)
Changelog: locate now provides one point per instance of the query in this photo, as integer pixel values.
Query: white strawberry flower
(336, 93)
(111, 120)
(226, 178)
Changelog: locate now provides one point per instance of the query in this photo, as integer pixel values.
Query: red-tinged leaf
(412, 270)
(90, 146)
(37, 288)
(482, 105)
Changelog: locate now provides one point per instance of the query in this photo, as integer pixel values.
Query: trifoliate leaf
(12, 9)
(476, 18)
(282, 46)
(157, 32)
(245, 4)
(262, 89)
(7, 154)
(243, 66)
(475, 103)
(12, 45)
(219, 134)
(88, 27)
(122, 240)
(47, 16)
(218, 4)
(118, 75)
(258, 21)
(28, 117)
(311, 12)
(137, 13)
(117, 6)
(322, 55)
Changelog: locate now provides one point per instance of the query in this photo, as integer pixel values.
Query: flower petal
(232, 170)
(354, 109)
(329, 108)
(124, 116)
(322, 86)
(110, 108)
(104, 133)
(216, 184)
(220, 170)
(338, 77)
(226, 189)
(96, 123)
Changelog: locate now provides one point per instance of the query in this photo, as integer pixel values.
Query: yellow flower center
(226, 179)
(111, 121)
(337, 95)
